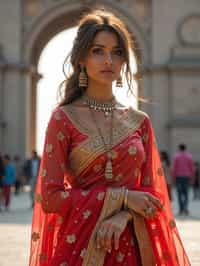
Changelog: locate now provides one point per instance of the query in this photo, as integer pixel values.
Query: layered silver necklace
(107, 108)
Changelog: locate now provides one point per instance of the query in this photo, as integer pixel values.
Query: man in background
(183, 173)
(31, 170)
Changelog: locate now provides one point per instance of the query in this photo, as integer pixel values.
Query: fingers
(106, 235)
(99, 237)
(150, 212)
(108, 239)
(104, 238)
(117, 235)
(155, 201)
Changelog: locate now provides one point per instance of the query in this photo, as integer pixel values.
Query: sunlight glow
(50, 67)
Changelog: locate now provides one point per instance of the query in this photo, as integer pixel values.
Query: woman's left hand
(111, 229)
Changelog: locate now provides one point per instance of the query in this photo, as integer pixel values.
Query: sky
(50, 66)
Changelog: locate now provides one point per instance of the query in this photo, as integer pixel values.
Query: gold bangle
(126, 199)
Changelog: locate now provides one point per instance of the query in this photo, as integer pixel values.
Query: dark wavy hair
(89, 26)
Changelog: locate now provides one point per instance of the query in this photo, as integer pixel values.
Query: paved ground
(15, 232)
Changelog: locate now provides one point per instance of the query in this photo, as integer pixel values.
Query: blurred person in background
(31, 170)
(182, 172)
(166, 168)
(8, 180)
(2, 173)
(19, 174)
(196, 183)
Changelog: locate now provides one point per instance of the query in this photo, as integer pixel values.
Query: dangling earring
(83, 79)
(119, 82)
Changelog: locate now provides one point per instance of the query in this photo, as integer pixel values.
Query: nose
(108, 59)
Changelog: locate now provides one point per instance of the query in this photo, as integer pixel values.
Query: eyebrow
(103, 46)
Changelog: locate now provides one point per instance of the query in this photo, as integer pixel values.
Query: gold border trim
(143, 239)
(112, 203)
(133, 120)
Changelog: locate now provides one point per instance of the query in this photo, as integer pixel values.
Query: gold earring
(119, 82)
(83, 79)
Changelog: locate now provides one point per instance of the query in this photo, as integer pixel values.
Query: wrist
(125, 205)
(126, 214)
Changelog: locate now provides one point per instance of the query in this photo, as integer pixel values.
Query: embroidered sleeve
(56, 195)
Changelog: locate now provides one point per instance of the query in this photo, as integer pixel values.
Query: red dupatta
(60, 197)
(166, 243)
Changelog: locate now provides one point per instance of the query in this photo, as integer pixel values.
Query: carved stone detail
(189, 30)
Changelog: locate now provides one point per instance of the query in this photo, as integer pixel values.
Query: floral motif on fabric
(49, 148)
(160, 171)
(86, 214)
(63, 264)
(64, 194)
(85, 192)
(59, 220)
(57, 115)
(35, 236)
(118, 177)
(60, 136)
(97, 168)
(44, 172)
(71, 239)
(38, 198)
(172, 224)
(83, 252)
(119, 257)
(132, 150)
(43, 257)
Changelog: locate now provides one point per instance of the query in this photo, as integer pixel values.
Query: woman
(101, 197)
(166, 168)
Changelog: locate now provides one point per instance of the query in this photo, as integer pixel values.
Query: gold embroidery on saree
(143, 239)
(70, 239)
(81, 156)
(113, 202)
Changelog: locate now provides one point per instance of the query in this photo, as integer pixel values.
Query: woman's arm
(144, 200)
(53, 191)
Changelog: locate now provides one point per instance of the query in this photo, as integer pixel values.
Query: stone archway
(55, 20)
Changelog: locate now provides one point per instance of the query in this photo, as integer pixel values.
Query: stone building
(167, 45)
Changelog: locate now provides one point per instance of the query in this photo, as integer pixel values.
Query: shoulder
(140, 116)
(59, 116)
(58, 122)
(189, 155)
(138, 113)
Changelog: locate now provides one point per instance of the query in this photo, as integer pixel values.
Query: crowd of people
(15, 174)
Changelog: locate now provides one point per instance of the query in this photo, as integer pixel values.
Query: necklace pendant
(108, 170)
(109, 155)
(106, 113)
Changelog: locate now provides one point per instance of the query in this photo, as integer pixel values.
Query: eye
(118, 52)
(97, 51)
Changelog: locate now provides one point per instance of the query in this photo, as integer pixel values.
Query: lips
(107, 71)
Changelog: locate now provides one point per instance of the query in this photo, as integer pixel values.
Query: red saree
(73, 196)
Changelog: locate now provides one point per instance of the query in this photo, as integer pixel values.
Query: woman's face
(104, 59)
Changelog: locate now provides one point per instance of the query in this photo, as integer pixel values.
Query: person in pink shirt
(183, 173)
